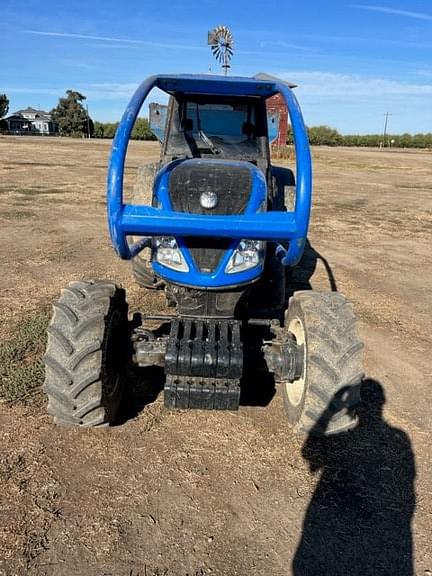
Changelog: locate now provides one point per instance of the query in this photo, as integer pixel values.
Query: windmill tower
(221, 43)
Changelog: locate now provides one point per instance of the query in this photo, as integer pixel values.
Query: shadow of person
(359, 518)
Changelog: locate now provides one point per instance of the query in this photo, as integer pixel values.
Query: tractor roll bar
(138, 220)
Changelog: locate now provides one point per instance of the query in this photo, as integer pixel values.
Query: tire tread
(74, 357)
(333, 361)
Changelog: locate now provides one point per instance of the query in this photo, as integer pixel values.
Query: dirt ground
(197, 493)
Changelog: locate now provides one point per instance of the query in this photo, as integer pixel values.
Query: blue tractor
(222, 240)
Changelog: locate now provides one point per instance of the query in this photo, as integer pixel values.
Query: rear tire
(86, 354)
(323, 399)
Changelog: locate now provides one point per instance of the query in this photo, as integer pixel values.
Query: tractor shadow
(358, 521)
(143, 385)
(259, 391)
(300, 277)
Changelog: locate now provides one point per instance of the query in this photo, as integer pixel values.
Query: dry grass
(282, 152)
(30, 191)
(16, 214)
(21, 369)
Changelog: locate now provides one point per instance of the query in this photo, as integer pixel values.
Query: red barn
(277, 104)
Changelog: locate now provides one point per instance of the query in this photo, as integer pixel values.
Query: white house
(31, 120)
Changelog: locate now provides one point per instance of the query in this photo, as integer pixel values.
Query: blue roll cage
(140, 220)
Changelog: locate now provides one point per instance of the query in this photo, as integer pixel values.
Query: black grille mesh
(189, 180)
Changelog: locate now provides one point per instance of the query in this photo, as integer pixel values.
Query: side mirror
(273, 126)
(158, 118)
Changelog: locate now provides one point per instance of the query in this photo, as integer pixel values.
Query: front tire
(86, 354)
(144, 275)
(322, 400)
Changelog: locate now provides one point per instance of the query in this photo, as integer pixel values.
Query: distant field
(179, 493)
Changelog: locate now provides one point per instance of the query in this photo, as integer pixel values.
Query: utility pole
(387, 114)
(88, 123)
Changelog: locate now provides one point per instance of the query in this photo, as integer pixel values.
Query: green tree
(71, 116)
(110, 129)
(419, 140)
(141, 130)
(4, 105)
(99, 129)
(324, 135)
(405, 140)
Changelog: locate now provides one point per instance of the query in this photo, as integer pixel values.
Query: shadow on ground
(300, 276)
(359, 519)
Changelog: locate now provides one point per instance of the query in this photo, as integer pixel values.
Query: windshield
(226, 122)
(225, 130)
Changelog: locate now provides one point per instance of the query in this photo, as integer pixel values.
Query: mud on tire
(86, 354)
(323, 400)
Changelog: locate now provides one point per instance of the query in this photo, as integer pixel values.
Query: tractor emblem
(209, 200)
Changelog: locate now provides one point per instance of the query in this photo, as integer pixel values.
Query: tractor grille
(231, 184)
(207, 252)
(189, 180)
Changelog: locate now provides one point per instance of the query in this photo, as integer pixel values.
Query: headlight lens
(248, 254)
(167, 253)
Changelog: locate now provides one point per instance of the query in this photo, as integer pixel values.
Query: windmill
(221, 42)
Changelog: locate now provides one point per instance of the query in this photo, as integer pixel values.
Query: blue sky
(353, 61)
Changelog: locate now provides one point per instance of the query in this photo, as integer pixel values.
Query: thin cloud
(111, 90)
(29, 90)
(341, 39)
(287, 45)
(74, 63)
(395, 11)
(424, 72)
(113, 39)
(119, 92)
(82, 36)
(331, 84)
(93, 92)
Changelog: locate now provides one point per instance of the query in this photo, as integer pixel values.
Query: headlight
(167, 253)
(248, 254)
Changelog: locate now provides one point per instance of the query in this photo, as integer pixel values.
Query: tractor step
(203, 393)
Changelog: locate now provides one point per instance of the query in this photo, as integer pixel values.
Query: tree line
(326, 136)
(141, 130)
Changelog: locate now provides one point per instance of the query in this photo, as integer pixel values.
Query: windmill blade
(221, 43)
(211, 39)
